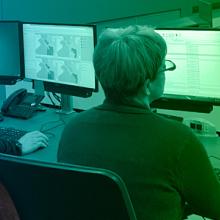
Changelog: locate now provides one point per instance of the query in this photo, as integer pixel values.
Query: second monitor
(196, 79)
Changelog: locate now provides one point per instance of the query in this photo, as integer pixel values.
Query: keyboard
(11, 133)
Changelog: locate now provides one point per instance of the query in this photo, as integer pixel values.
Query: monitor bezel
(189, 99)
(11, 80)
(64, 88)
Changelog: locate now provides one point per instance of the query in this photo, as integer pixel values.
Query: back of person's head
(125, 57)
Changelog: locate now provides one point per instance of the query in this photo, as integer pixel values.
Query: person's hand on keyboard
(32, 141)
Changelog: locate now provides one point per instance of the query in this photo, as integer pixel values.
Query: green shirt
(161, 161)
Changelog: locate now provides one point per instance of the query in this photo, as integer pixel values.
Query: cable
(48, 94)
(57, 97)
(44, 127)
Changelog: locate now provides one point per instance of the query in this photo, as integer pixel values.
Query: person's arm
(8, 147)
(30, 142)
(199, 184)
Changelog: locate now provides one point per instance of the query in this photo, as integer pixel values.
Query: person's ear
(147, 87)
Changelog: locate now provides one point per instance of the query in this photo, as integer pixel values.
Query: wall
(87, 11)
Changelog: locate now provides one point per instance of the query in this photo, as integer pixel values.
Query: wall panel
(86, 11)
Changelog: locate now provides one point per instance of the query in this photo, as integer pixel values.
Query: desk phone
(21, 104)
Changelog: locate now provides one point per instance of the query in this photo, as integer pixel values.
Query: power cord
(44, 127)
(49, 96)
(57, 97)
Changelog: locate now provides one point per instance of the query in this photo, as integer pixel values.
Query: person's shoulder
(172, 124)
(83, 115)
(176, 131)
(179, 137)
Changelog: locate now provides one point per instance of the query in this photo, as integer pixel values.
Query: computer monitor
(196, 79)
(11, 53)
(60, 55)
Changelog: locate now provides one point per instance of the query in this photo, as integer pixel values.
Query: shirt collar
(123, 108)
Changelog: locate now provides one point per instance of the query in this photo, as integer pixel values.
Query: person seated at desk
(28, 143)
(161, 161)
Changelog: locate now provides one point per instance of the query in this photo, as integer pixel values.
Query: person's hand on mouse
(32, 141)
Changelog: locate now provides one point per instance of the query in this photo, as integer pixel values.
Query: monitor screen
(11, 53)
(60, 56)
(196, 54)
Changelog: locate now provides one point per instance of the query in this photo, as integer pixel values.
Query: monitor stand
(2, 94)
(66, 104)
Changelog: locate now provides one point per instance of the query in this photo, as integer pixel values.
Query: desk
(49, 122)
(52, 124)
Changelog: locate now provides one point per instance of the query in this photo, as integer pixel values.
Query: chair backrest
(43, 191)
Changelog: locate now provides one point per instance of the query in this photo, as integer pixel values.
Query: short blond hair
(125, 57)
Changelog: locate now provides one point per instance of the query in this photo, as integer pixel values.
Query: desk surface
(52, 123)
(49, 122)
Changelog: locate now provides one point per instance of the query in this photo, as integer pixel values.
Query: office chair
(55, 191)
